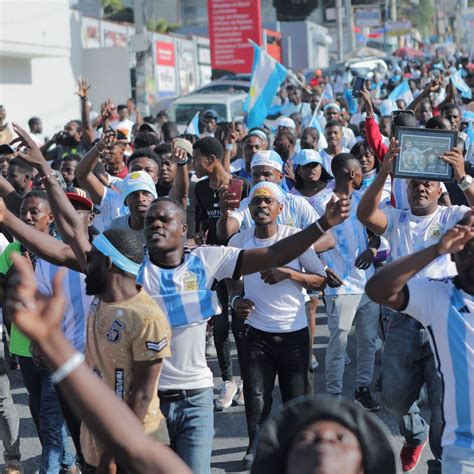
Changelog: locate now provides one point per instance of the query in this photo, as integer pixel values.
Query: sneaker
(239, 399)
(226, 394)
(410, 456)
(13, 466)
(365, 400)
(247, 462)
(314, 362)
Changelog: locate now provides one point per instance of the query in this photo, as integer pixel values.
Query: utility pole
(340, 31)
(350, 24)
(141, 55)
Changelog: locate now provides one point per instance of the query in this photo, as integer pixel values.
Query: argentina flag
(193, 126)
(461, 85)
(402, 91)
(267, 75)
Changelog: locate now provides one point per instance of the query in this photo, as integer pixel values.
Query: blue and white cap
(305, 157)
(286, 122)
(267, 158)
(138, 181)
(265, 188)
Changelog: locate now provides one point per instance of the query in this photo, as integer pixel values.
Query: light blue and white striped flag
(402, 91)
(328, 92)
(193, 125)
(267, 75)
(470, 142)
(461, 85)
(315, 123)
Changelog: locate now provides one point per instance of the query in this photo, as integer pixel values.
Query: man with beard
(445, 306)
(408, 361)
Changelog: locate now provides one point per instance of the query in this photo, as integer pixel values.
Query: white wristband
(318, 225)
(229, 146)
(232, 301)
(69, 366)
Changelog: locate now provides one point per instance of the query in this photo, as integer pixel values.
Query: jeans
(266, 355)
(342, 311)
(408, 363)
(220, 325)
(9, 420)
(190, 423)
(458, 460)
(53, 433)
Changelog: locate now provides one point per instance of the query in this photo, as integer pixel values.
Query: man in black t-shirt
(207, 160)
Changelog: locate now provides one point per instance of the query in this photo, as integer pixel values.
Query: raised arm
(432, 86)
(180, 188)
(68, 222)
(368, 211)
(10, 196)
(95, 404)
(284, 251)
(83, 88)
(43, 245)
(387, 286)
(84, 175)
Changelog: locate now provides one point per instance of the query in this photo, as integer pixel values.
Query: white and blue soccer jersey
(448, 313)
(77, 302)
(407, 234)
(184, 293)
(297, 212)
(351, 240)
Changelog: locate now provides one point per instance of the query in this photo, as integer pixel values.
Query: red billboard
(231, 24)
(165, 53)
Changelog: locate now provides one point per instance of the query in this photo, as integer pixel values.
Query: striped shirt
(351, 240)
(110, 207)
(77, 302)
(407, 234)
(448, 313)
(296, 213)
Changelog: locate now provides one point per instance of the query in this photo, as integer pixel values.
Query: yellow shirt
(118, 334)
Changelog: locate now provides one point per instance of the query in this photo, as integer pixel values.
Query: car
(229, 107)
(230, 84)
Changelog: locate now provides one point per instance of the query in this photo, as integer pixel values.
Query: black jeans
(220, 328)
(266, 355)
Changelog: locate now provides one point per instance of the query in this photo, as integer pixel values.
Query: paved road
(230, 440)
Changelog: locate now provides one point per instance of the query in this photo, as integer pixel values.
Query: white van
(229, 107)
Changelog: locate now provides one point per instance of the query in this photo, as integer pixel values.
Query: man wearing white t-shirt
(181, 281)
(408, 361)
(273, 304)
(333, 132)
(123, 123)
(445, 307)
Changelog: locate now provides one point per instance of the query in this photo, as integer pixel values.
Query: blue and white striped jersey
(448, 313)
(351, 240)
(297, 212)
(407, 234)
(77, 302)
(184, 293)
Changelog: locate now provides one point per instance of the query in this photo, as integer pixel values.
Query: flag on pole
(470, 143)
(267, 75)
(315, 123)
(402, 91)
(193, 126)
(461, 85)
(328, 92)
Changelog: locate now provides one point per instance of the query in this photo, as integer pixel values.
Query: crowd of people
(129, 251)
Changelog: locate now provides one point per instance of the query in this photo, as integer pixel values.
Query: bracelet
(69, 366)
(97, 148)
(232, 301)
(325, 267)
(45, 177)
(229, 146)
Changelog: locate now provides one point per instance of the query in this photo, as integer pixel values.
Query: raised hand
(83, 87)
(107, 110)
(36, 317)
(389, 158)
(337, 210)
(30, 151)
(367, 100)
(455, 239)
(456, 159)
(178, 154)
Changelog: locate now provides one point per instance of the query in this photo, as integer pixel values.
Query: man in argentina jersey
(268, 166)
(181, 282)
(407, 355)
(345, 299)
(446, 308)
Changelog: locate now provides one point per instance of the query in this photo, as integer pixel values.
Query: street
(230, 440)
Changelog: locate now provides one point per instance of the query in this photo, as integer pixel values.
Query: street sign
(367, 17)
